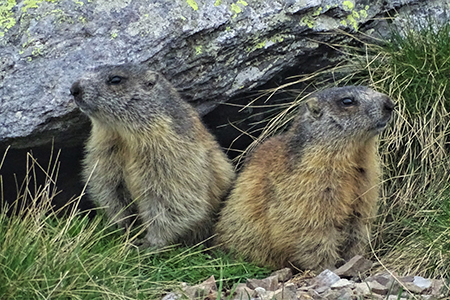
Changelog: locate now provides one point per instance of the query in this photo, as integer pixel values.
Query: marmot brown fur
(308, 197)
(150, 154)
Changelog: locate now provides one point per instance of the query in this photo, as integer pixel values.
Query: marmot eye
(347, 102)
(115, 80)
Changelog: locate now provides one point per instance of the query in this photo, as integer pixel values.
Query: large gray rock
(210, 49)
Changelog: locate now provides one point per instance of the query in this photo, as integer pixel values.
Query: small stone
(183, 285)
(242, 292)
(407, 279)
(436, 286)
(342, 294)
(213, 296)
(304, 296)
(362, 289)
(377, 288)
(355, 266)
(287, 292)
(322, 289)
(290, 286)
(210, 283)
(422, 282)
(417, 284)
(263, 294)
(268, 296)
(172, 296)
(269, 284)
(201, 290)
(342, 283)
(412, 288)
(388, 281)
(430, 297)
(395, 297)
(383, 279)
(374, 296)
(324, 280)
(283, 275)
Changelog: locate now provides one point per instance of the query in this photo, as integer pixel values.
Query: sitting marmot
(149, 154)
(308, 197)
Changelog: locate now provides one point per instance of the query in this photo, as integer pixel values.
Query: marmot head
(128, 94)
(339, 114)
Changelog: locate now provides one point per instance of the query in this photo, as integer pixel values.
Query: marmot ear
(313, 106)
(150, 79)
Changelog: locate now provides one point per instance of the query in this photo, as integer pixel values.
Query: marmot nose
(75, 90)
(388, 105)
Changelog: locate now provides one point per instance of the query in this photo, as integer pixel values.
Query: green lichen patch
(218, 2)
(352, 21)
(363, 13)
(317, 12)
(236, 8)
(36, 51)
(33, 4)
(277, 39)
(310, 18)
(266, 43)
(198, 49)
(348, 5)
(260, 45)
(7, 20)
(82, 20)
(192, 4)
(354, 16)
(308, 21)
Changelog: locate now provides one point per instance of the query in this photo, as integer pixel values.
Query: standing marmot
(307, 197)
(150, 154)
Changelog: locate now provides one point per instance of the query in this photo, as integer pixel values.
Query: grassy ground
(45, 256)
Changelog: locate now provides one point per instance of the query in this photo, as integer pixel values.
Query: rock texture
(210, 49)
(326, 285)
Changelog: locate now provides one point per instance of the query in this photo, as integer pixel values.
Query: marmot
(150, 154)
(307, 197)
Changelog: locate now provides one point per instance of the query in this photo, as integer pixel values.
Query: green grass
(43, 256)
(46, 256)
(420, 63)
(413, 237)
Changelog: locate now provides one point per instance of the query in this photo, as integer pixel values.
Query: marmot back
(149, 154)
(308, 197)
